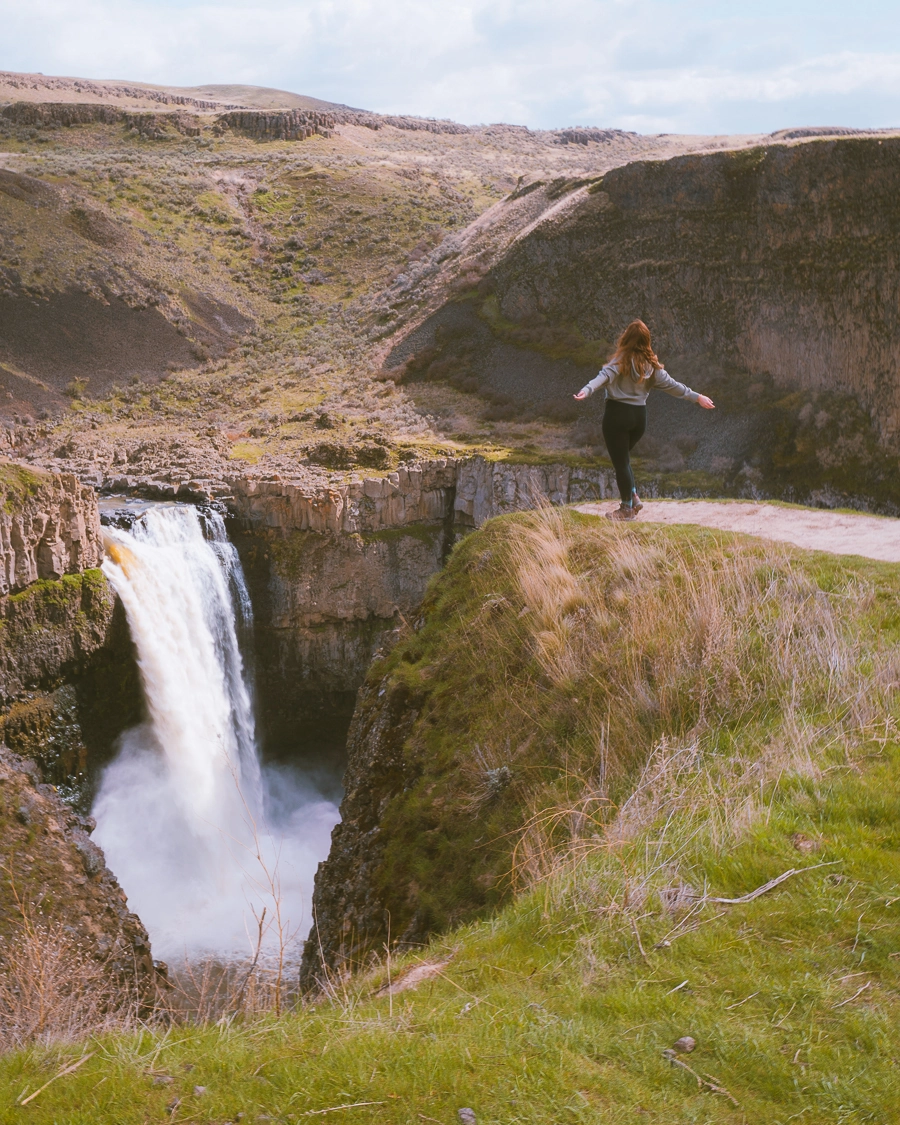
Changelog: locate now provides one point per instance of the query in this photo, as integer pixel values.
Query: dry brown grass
(52, 990)
(209, 990)
(751, 669)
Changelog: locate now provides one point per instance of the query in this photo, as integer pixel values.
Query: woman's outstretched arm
(599, 380)
(663, 381)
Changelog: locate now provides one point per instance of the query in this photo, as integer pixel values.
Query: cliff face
(334, 569)
(290, 125)
(349, 903)
(780, 260)
(68, 679)
(67, 688)
(330, 570)
(53, 874)
(769, 278)
(49, 526)
(55, 608)
(154, 126)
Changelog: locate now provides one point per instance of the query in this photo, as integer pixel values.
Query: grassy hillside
(187, 278)
(160, 270)
(768, 746)
(556, 658)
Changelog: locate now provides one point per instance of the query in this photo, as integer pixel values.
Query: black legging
(623, 427)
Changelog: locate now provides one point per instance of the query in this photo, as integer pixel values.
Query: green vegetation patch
(555, 657)
(18, 484)
(550, 338)
(741, 892)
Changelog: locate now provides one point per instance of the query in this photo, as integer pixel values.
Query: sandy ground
(841, 533)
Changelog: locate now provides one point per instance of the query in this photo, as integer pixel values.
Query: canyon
(355, 339)
(333, 573)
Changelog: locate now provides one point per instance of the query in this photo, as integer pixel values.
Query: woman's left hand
(706, 403)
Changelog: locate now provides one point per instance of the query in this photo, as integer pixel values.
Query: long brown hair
(634, 355)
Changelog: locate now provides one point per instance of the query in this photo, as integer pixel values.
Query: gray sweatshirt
(624, 388)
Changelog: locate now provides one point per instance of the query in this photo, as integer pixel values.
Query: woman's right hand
(580, 395)
(706, 402)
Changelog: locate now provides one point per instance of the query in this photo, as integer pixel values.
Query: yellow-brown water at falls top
(185, 814)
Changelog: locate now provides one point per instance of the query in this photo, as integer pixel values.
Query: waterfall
(201, 838)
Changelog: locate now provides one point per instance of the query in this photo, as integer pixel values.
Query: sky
(675, 66)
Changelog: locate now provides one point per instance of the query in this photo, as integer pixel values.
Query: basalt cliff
(67, 688)
(769, 277)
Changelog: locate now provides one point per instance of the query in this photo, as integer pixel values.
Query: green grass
(549, 1012)
(18, 484)
(555, 656)
(774, 748)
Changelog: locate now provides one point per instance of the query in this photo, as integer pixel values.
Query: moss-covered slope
(556, 655)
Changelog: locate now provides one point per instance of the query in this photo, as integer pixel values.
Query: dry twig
(65, 1070)
(771, 885)
(334, 1108)
(637, 938)
(849, 999)
(708, 1083)
(239, 1002)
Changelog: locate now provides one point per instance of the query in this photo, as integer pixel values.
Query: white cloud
(672, 65)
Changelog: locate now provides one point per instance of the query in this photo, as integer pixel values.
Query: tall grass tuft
(707, 669)
(52, 990)
(703, 667)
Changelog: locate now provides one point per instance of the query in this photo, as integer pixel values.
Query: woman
(629, 377)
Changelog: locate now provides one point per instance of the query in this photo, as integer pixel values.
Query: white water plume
(183, 813)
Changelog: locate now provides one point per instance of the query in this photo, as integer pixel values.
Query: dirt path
(841, 533)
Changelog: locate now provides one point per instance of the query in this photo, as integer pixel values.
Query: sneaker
(623, 512)
(636, 502)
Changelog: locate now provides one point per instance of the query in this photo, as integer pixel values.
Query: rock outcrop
(405, 122)
(485, 489)
(465, 491)
(43, 114)
(289, 125)
(68, 683)
(52, 874)
(335, 566)
(421, 492)
(331, 568)
(49, 115)
(49, 526)
(349, 910)
(62, 651)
